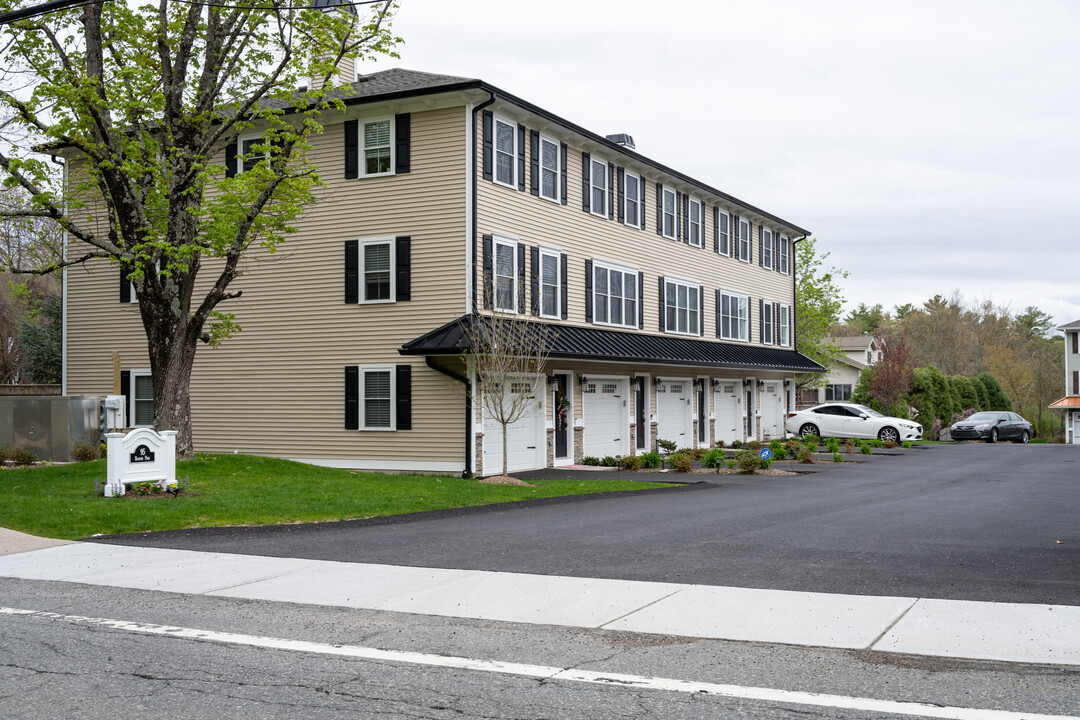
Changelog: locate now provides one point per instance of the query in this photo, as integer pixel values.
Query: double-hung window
(682, 305)
(632, 200)
(505, 153)
(253, 150)
(615, 295)
(696, 223)
(377, 390)
(734, 316)
(766, 248)
(785, 254)
(744, 240)
(785, 325)
(670, 215)
(377, 263)
(377, 146)
(598, 186)
(506, 275)
(142, 399)
(550, 284)
(768, 322)
(549, 169)
(723, 233)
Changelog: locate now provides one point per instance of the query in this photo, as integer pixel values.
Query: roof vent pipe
(622, 139)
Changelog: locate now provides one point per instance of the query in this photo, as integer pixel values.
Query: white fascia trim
(64, 324)
(470, 177)
(389, 465)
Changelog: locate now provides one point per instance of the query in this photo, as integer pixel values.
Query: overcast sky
(930, 146)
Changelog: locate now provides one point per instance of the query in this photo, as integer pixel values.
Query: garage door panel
(771, 405)
(728, 425)
(673, 412)
(604, 414)
(524, 438)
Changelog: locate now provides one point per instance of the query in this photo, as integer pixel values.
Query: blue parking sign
(766, 453)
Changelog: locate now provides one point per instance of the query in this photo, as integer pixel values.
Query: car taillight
(790, 415)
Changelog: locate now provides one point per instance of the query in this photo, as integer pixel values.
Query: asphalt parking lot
(969, 521)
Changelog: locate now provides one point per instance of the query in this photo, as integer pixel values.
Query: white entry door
(525, 438)
(673, 412)
(771, 401)
(604, 411)
(728, 425)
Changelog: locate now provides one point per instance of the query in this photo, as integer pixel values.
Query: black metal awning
(591, 343)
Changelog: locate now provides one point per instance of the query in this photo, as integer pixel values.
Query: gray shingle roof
(1074, 325)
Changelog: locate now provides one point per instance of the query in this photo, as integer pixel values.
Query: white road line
(770, 695)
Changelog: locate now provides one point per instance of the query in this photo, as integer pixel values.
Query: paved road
(968, 522)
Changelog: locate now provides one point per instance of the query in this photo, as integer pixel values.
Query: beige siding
(278, 387)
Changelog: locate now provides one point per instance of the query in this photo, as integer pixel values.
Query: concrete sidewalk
(1010, 632)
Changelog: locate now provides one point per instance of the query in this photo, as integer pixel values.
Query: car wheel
(809, 429)
(993, 436)
(888, 434)
(1024, 437)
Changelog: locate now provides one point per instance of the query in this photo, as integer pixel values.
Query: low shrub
(905, 444)
(719, 444)
(888, 444)
(764, 463)
(755, 446)
(736, 444)
(849, 446)
(4, 450)
(609, 461)
(747, 461)
(21, 455)
(832, 444)
(877, 443)
(811, 441)
(713, 458)
(731, 464)
(792, 447)
(698, 453)
(837, 457)
(682, 462)
(590, 460)
(668, 446)
(865, 449)
(805, 455)
(650, 459)
(776, 446)
(630, 462)
(83, 451)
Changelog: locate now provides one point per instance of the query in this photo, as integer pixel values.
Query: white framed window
(506, 275)
(766, 248)
(837, 393)
(743, 244)
(377, 407)
(615, 295)
(377, 146)
(141, 402)
(768, 322)
(695, 222)
(505, 153)
(549, 169)
(377, 270)
(670, 215)
(785, 325)
(550, 284)
(682, 307)
(633, 203)
(734, 316)
(723, 231)
(598, 186)
(784, 250)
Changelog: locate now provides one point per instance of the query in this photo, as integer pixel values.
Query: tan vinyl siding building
(312, 366)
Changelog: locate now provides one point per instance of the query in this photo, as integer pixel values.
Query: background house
(859, 352)
(1070, 403)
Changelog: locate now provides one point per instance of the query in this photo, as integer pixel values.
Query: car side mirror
(864, 416)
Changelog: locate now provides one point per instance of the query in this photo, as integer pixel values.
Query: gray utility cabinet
(48, 425)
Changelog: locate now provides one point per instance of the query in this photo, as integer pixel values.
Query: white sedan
(843, 420)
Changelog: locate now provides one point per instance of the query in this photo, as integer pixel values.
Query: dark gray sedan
(993, 426)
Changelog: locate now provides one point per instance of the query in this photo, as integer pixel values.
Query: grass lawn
(60, 502)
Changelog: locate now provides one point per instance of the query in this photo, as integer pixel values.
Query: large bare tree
(141, 101)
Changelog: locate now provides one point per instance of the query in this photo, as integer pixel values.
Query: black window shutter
(641, 203)
(749, 319)
(685, 224)
(488, 150)
(125, 390)
(776, 323)
(701, 311)
(622, 193)
(585, 185)
(659, 208)
(679, 230)
(562, 172)
(563, 289)
(402, 142)
(750, 240)
(352, 397)
(352, 271)
(352, 149)
(588, 291)
(521, 277)
(611, 191)
(716, 229)
(534, 162)
(488, 290)
(125, 284)
(719, 309)
(761, 245)
(733, 233)
(534, 274)
(663, 308)
(641, 301)
(761, 321)
(521, 158)
(404, 397)
(230, 159)
(403, 260)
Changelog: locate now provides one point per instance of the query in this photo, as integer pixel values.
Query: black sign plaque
(142, 454)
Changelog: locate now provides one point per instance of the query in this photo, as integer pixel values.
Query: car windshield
(984, 417)
(869, 411)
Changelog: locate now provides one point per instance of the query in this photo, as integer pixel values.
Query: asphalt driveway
(968, 522)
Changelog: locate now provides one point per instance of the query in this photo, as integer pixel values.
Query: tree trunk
(506, 458)
(171, 364)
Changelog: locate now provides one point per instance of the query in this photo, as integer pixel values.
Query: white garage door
(728, 426)
(604, 412)
(525, 438)
(673, 412)
(771, 402)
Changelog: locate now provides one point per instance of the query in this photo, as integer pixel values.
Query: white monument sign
(141, 456)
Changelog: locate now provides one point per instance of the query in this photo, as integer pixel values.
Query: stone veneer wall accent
(579, 444)
(478, 458)
(551, 447)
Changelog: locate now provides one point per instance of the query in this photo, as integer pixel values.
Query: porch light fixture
(582, 379)
(715, 384)
(760, 384)
(656, 380)
(552, 379)
(746, 382)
